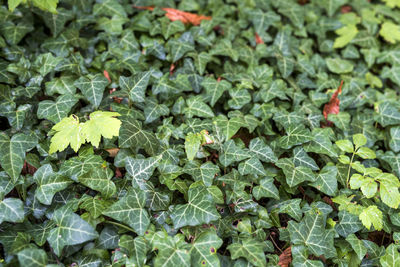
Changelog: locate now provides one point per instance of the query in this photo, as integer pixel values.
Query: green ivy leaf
(311, 233)
(135, 85)
(391, 257)
(99, 179)
(130, 210)
(204, 249)
(56, 111)
(133, 135)
(92, 87)
(12, 152)
(339, 66)
(48, 183)
(357, 245)
(12, 210)
(200, 209)
(214, 89)
(295, 175)
(250, 249)
(32, 257)
(141, 169)
(266, 189)
(202, 172)
(326, 180)
(71, 230)
(295, 135)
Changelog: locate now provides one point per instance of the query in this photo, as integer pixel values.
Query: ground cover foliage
(134, 135)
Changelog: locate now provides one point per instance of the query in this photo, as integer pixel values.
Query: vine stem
(348, 171)
(120, 225)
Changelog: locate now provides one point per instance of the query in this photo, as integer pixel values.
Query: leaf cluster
(131, 135)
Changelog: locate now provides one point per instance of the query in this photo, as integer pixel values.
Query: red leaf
(333, 106)
(285, 258)
(176, 14)
(258, 39)
(107, 75)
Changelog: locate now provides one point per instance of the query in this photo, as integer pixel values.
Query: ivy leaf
(204, 249)
(192, 145)
(153, 110)
(250, 249)
(229, 127)
(56, 111)
(95, 205)
(101, 123)
(311, 233)
(331, 6)
(12, 210)
(261, 150)
(346, 35)
(47, 63)
(172, 251)
(76, 166)
(71, 230)
(391, 257)
(357, 245)
(141, 169)
(251, 166)
(387, 114)
(196, 107)
(92, 87)
(136, 85)
(14, 33)
(348, 224)
(99, 179)
(390, 32)
(394, 141)
(224, 48)
(214, 89)
(32, 257)
(200, 209)
(301, 158)
(202, 172)
(231, 153)
(326, 180)
(48, 183)
(63, 85)
(130, 210)
(295, 175)
(12, 152)
(266, 189)
(133, 135)
(296, 135)
(339, 66)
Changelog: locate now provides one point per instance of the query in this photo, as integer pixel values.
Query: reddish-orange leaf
(176, 14)
(333, 106)
(258, 39)
(107, 75)
(285, 258)
(171, 69)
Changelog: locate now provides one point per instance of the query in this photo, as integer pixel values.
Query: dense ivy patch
(141, 136)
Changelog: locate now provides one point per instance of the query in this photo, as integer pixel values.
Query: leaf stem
(121, 225)
(348, 171)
